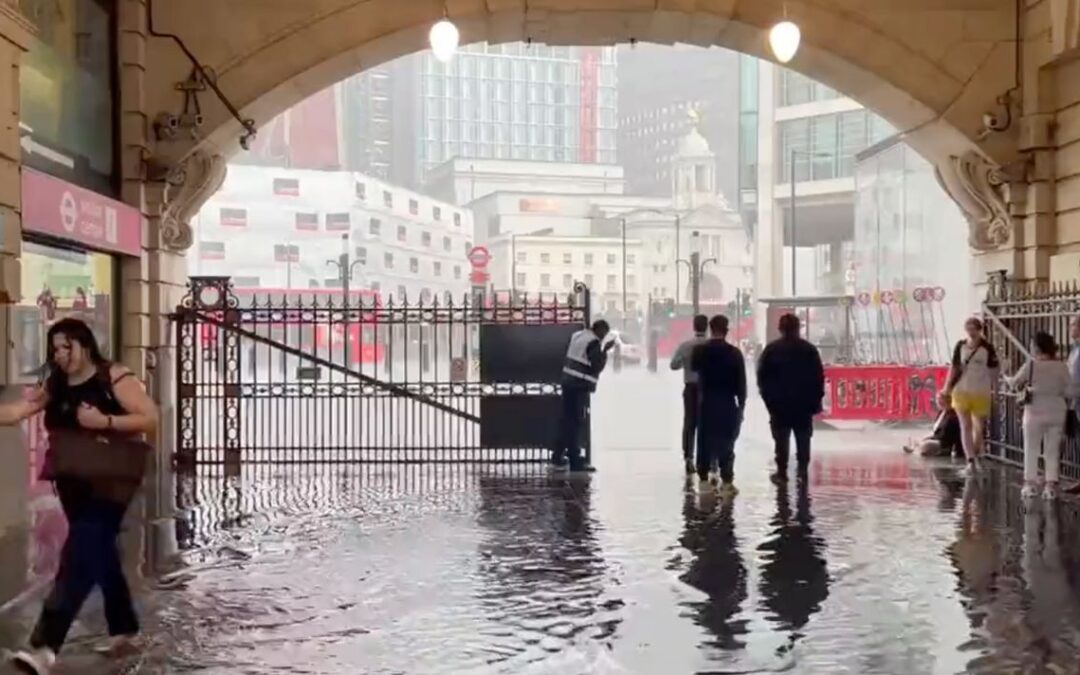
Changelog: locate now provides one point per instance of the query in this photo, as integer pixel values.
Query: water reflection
(716, 568)
(1052, 617)
(794, 572)
(543, 577)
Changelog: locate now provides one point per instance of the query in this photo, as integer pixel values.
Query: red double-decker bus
(296, 325)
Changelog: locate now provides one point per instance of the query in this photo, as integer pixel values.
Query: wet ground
(884, 563)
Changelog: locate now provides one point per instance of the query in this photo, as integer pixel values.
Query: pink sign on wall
(59, 209)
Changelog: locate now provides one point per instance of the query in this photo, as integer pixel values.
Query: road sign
(479, 257)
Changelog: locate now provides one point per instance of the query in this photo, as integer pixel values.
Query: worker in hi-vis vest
(586, 357)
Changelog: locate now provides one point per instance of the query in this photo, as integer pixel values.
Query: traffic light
(669, 308)
(746, 302)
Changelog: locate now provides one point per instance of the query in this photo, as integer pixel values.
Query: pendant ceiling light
(444, 38)
(784, 40)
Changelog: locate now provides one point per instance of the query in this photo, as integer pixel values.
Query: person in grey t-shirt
(691, 392)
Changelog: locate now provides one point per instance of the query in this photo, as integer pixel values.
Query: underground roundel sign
(479, 257)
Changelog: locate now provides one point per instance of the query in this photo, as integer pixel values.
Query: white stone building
(278, 228)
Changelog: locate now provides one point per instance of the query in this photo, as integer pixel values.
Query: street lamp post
(345, 268)
(697, 268)
(794, 248)
(624, 307)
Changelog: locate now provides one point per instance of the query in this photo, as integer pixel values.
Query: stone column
(769, 238)
(15, 35)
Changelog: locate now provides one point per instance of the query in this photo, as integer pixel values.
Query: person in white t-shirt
(970, 387)
(1047, 389)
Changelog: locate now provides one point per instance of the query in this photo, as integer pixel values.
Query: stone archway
(933, 69)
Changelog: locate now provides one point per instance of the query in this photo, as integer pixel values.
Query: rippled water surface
(884, 563)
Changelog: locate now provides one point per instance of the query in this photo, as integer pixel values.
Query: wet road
(883, 564)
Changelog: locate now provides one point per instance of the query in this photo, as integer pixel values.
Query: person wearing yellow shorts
(970, 387)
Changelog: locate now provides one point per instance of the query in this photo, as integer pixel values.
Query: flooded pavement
(885, 563)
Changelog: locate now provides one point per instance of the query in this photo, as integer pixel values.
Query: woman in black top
(83, 391)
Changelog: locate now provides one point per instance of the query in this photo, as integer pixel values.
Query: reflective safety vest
(577, 356)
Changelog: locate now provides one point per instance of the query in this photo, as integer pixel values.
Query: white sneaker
(34, 661)
(1050, 492)
(1028, 492)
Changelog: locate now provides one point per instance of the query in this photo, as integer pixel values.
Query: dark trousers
(691, 407)
(575, 403)
(90, 558)
(718, 429)
(783, 427)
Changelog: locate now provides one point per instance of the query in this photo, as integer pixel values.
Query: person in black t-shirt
(721, 373)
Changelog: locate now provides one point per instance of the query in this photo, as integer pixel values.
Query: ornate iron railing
(1015, 312)
(305, 376)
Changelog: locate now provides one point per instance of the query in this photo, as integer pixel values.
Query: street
(886, 564)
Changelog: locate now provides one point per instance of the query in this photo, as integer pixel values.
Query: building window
(209, 250)
(521, 279)
(545, 258)
(630, 258)
(436, 268)
(588, 258)
(338, 222)
(388, 261)
(522, 256)
(388, 199)
(246, 282)
(457, 219)
(568, 281)
(402, 234)
(401, 293)
(468, 247)
(457, 271)
(611, 258)
(375, 286)
(446, 243)
(567, 258)
(425, 238)
(287, 187)
(375, 227)
(588, 280)
(436, 213)
(233, 217)
(414, 207)
(631, 282)
(414, 265)
(361, 255)
(545, 280)
(611, 285)
(286, 253)
(361, 191)
(307, 222)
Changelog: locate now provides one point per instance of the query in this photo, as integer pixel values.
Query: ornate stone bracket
(980, 188)
(188, 185)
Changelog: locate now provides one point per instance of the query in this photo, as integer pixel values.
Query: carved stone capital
(188, 185)
(979, 188)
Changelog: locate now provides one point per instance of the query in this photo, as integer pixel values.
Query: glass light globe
(784, 40)
(444, 38)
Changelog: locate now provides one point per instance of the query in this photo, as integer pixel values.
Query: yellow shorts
(977, 405)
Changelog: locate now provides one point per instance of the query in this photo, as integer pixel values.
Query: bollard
(653, 349)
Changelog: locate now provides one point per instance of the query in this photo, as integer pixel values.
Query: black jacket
(791, 377)
(721, 373)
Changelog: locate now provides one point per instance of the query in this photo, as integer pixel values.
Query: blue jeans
(90, 558)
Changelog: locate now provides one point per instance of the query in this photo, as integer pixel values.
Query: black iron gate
(318, 377)
(1014, 313)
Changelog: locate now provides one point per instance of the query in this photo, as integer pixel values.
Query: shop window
(59, 283)
(338, 222)
(212, 250)
(307, 222)
(287, 187)
(66, 86)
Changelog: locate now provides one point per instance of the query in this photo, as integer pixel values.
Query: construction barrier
(882, 393)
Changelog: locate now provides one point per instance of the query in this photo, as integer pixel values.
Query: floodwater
(883, 563)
